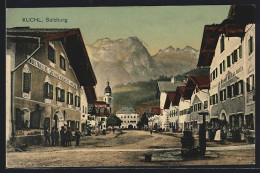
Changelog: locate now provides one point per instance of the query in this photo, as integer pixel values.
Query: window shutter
(79, 101)
(216, 98)
(46, 90)
(57, 93)
(224, 65)
(228, 61)
(235, 55)
(240, 51)
(63, 95)
(236, 88)
(27, 82)
(242, 86)
(220, 68)
(75, 100)
(51, 91)
(51, 54)
(68, 98)
(229, 91)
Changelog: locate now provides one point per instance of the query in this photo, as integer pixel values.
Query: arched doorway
(59, 120)
(130, 126)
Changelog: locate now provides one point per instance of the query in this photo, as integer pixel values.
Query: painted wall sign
(51, 72)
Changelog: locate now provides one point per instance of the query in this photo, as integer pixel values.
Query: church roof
(108, 89)
(127, 110)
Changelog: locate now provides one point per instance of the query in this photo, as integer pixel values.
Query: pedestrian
(69, 136)
(57, 136)
(65, 137)
(113, 130)
(47, 136)
(151, 131)
(52, 136)
(77, 135)
(62, 136)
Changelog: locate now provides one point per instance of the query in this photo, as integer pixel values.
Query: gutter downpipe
(12, 80)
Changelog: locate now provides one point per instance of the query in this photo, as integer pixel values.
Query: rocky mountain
(127, 60)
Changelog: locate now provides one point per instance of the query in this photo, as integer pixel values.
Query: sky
(157, 27)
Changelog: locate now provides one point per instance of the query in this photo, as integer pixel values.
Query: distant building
(165, 87)
(129, 117)
(108, 98)
(197, 89)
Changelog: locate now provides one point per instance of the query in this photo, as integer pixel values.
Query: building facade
(129, 117)
(46, 86)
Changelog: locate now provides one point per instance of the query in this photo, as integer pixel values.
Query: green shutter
(57, 90)
(228, 61)
(46, 90)
(27, 82)
(240, 51)
(62, 95)
(51, 91)
(68, 98)
(224, 65)
(235, 55)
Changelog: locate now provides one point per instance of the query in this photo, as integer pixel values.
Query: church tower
(108, 98)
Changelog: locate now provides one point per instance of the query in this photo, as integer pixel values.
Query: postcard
(130, 86)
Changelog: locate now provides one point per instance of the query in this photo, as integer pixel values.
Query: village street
(127, 148)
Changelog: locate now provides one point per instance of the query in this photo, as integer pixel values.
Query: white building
(165, 87)
(229, 50)
(129, 117)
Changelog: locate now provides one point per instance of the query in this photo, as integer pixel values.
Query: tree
(113, 120)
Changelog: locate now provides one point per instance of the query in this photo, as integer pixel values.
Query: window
(220, 68)
(221, 95)
(214, 99)
(222, 43)
(70, 99)
(62, 63)
(228, 61)
(26, 82)
(205, 104)
(60, 94)
(48, 90)
(235, 55)
(240, 87)
(250, 45)
(240, 51)
(250, 83)
(229, 91)
(77, 101)
(199, 106)
(224, 65)
(51, 54)
(224, 94)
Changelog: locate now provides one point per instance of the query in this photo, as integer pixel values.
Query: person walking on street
(47, 136)
(62, 135)
(52, 136)
(77, 135)
(151, 131)
(56, 134)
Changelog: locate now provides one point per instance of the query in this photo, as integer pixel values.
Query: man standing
(56, 134)
(62, 136)
(77, 135)
(52, 136)
(47, 136)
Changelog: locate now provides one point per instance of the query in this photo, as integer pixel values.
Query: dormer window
(51, 54)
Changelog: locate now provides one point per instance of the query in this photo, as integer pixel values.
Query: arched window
(26, 81)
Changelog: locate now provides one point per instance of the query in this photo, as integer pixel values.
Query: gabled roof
(196, 82)
(169, 99)
(73, 44)
(156, 111)
(90, 93)
(166, 86)
(178, 94)
(127, 110)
